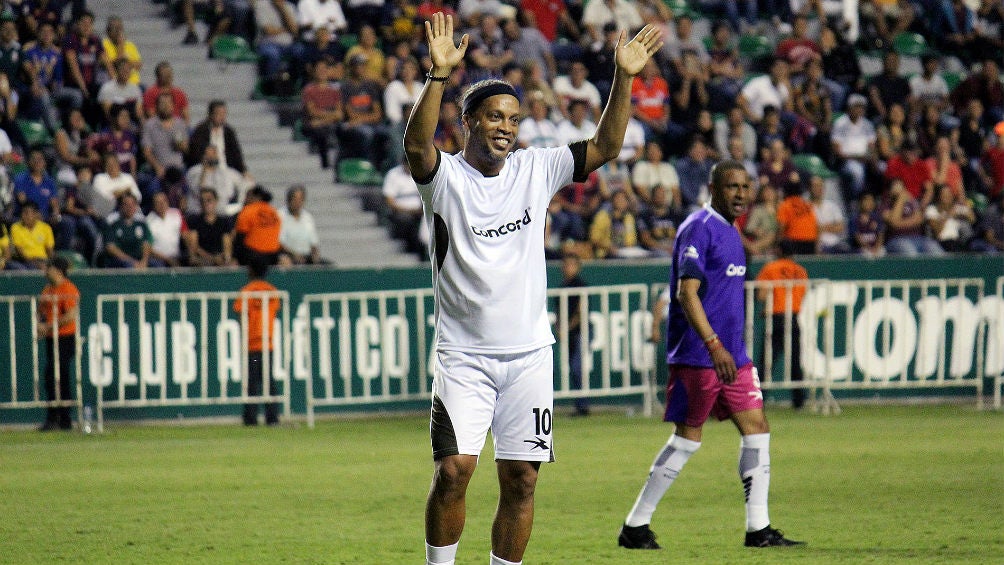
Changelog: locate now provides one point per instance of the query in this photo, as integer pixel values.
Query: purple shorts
(694, 392)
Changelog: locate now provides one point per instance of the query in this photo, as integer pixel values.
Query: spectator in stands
(945, 168)
(737, 152)
(537, 129)
(973, 136)
(43, 65)
(574, 86)
(85, 58)
(488, 51)
(914, 172)
(166, 224)
(621, 12)
(164, 143)
(931, 126)
(116, 46)
(31, 240)
(741, 14)
(85, 217)
(652, 172)
(578, 126)
(449, 137)
(993, 160)
(773, 89)
(111, 184)
(889, 87)
(8, 113)
(869, 227)
(215, 130)
(187, 9)
(402, 91)
(725, 72)
(58, 313)
(904, 218)
(953, 30)
(33, 14)
(694, 169)
(929, 87)
(990, 229)
(119, 93)
(685, 43)
(376, 64)
(322, 108)
(761, 231)
(798, 48)
(118, 138)
(614, 230)
(298, 236)
(840, 67)
(830, 218)
(359, 13)
(527, 45)
(853, 144)
(985, 86)
(256, 230)
(768, 131)
(779, 170)
(882, 20)
(404, 207)
(164, 74)
(36, 185)
(814, 103)
(321, 47)
(128, 241)
(363, 129)
(599, 60)
(633, 146)
(797, 224)
(735, 124)
(320, 13)
(277, 33)
(949, 220)
(212, 173)
(207, 234)
(10, 51)
(657, 223)
(650, 105)
(892, 133)
(260, 337)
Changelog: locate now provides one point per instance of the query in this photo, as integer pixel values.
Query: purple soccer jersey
(708, 248)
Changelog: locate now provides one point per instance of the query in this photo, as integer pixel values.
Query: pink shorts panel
(694, 393)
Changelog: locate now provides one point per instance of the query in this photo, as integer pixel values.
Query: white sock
(496, 560)
(754, 470)
(445, 555)
(665, 468)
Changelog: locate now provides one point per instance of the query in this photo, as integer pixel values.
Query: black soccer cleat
(769, 537)
(638, 537)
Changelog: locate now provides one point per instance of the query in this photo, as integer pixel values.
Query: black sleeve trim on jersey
(442, 235)
(432, 175)
(579, 173)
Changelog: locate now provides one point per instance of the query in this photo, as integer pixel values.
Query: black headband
(474, 98)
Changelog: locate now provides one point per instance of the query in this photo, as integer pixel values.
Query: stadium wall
(316, 281)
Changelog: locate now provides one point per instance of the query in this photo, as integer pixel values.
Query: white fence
(375, 347)
(184, 349)
(19, 317)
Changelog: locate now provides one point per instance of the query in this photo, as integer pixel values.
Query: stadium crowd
(862, 137)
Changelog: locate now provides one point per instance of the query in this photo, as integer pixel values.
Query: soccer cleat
(769, 537)
(638, 537)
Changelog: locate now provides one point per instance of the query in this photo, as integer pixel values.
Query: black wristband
(429, 76)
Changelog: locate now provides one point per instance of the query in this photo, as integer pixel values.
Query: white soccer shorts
(510, 394)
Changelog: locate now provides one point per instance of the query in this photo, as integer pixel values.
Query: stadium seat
(233, 49)
(952, 79)
(812, 165)
(348, 40)
(359, 172)
(755, 46)
(77, 261)
(298, 131)
(910, 44)
(35, 133)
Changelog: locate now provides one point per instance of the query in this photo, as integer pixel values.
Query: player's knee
(453, 474)
(518, 481)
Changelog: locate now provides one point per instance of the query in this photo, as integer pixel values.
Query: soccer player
(709, 370)
(486, 208)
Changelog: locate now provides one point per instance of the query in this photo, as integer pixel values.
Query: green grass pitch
(882, 485)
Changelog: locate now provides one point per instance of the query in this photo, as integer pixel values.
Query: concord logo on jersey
(735, 270)
(504, 229)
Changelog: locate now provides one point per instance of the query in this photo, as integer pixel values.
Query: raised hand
(439, 34)
(632, 56)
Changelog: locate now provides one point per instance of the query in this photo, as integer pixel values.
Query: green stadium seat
(952, 79)
(979, 201)
(77, 261)
(910, 44)
(35, 133)
(348, 40)
(358, 172)
(812, 165)
(755, 46)
(233, 49)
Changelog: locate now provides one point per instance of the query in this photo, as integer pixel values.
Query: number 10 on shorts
(542, 421)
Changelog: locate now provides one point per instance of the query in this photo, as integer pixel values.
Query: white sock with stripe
(445, 555)
(667, 466)
(754, 470)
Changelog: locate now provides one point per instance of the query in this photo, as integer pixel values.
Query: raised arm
(421, 129)
(629, 58)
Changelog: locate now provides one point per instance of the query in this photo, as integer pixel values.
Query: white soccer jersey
(489, 276)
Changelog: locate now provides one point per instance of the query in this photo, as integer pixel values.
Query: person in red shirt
(58, 311)
(798, 225)
(993, 160)
(251, 306)
(256, 232)
(915, 173)
(799, 49)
